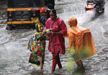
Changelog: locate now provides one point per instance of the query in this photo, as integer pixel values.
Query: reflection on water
(14, 55)
(2, 66)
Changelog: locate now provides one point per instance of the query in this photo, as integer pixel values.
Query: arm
(57, 33)
(66, 36)
(71, 42)
(63, 28)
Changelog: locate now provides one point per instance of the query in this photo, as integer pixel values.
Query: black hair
(53, 11)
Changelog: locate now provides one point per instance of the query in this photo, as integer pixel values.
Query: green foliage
(77, 74)
(70, 62)
(85, 52)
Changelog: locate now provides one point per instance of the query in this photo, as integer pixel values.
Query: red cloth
(56, 60)
(56, 42)
(43, 9)
(38, 52)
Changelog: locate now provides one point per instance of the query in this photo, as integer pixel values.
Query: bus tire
(10, 27)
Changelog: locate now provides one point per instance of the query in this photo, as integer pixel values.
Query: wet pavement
(14, 55)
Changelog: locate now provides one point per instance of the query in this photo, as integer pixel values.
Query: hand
(44, 31)
(52, 34)
(50, 29)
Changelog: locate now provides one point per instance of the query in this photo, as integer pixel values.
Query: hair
(53, 11)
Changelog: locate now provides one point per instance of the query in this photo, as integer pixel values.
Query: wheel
(10, 27)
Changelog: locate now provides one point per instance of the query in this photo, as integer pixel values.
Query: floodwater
(14, 54)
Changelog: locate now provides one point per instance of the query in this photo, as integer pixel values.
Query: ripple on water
(105, 34)
(2, 65)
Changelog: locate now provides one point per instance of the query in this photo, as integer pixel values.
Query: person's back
(80, 40)
(90, 1)
(101, 3)
(50, 3)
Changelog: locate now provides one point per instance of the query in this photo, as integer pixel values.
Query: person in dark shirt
(101, 3)
(50, 3)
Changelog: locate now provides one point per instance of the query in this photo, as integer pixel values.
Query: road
(14, 55)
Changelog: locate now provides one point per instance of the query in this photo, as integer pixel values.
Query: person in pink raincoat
(56, 40)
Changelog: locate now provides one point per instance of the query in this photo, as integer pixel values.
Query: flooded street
(14, 54)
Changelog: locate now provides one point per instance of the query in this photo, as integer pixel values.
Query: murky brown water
(13, 44)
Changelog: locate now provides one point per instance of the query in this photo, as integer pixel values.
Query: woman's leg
(80, 66)
(41, 63)
(56, 60)
(79, 63)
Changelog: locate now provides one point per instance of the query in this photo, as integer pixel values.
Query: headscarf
(72, 21)
(37, 26)
(43, 9)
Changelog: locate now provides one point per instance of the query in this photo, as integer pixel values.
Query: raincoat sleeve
(71, 39)
(67, 35)
(63, 28)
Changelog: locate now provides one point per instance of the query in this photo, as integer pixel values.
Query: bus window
(10, 4)
(21, 3)
(25, 3)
